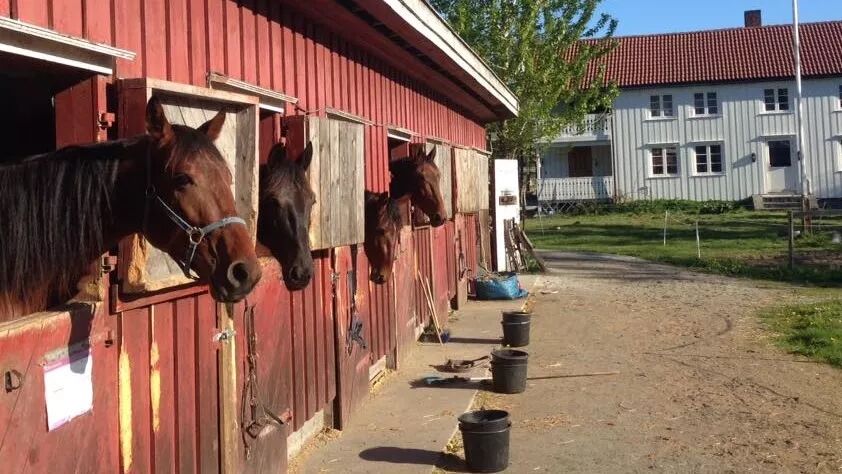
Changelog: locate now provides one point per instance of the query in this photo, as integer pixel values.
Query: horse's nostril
(238, 273)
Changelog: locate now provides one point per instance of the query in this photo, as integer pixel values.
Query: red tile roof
(727, 55)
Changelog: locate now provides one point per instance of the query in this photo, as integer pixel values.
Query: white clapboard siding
(742, 128)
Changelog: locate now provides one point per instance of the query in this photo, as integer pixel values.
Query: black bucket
(485, 435)
(508, 370)
(516, 328)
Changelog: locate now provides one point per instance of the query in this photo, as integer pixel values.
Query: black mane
(53, 209)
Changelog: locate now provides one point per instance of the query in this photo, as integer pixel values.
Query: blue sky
(665, 16)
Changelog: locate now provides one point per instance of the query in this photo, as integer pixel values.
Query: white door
(781, 166)
(506, 205)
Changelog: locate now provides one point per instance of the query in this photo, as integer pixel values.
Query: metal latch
(13, 380)
(224, 336)
(109, 263)
(106, 120)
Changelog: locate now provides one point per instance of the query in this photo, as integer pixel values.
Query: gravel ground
(689, 380)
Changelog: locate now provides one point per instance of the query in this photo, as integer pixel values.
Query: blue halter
(195, 234)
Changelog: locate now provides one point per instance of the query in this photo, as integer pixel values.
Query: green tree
(535, 47)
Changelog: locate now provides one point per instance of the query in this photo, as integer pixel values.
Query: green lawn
(737, 243)
(813, 330)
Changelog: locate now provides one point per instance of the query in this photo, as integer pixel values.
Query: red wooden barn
(172, 382)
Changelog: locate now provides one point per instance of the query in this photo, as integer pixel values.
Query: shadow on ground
(424, 457)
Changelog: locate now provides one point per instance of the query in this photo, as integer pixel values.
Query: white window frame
(661, 115)
(708, 161)
(776, 97)
(651, 161)
(707, 96)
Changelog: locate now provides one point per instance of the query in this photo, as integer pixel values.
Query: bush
(660, 206)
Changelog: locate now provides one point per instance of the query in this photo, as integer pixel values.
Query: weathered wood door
(353, 357)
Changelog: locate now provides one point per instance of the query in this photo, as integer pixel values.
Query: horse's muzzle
(240, 278)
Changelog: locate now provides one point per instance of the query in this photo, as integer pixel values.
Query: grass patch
(734, 242)
(811, 329)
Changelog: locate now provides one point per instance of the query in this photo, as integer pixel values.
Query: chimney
(753, 19)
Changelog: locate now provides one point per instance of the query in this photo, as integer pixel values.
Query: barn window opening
(28, 88)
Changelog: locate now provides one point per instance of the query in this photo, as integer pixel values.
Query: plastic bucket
(485, 435)
(508, 370)
(516, 325)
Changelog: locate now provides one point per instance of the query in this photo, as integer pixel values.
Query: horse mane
(53, 209)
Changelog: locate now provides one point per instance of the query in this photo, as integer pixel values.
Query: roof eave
(441, 44)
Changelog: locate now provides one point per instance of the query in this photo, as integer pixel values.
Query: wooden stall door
(404, 290)
(265, 367)
(442, 253)
(169, 386)
(352, 336)
(80, 337)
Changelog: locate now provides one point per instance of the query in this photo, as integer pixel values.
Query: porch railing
(595, 127)
(590, 188)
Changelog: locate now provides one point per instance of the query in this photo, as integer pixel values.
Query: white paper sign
(68, 389)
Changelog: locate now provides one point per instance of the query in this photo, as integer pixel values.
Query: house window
(776, 99)
(705, 103)
(660, 106)
(664, 161)
(708, 159)
(780, 153)
(840, 96)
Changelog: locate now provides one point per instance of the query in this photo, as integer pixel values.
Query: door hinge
(106, 120)
(109, 263)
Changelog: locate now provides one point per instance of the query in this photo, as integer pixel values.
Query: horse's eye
(181, 181)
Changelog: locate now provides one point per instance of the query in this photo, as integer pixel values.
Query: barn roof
(411, 35)
(725, 55)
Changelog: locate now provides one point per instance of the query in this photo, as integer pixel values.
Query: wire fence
(812, 237)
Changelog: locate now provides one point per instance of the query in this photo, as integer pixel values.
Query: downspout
(614, 168)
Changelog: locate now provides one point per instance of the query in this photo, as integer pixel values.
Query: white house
(708, 115)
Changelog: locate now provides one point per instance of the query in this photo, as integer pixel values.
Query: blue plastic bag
(504, 287)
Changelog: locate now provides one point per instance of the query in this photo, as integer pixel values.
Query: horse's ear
(431, 156)
(306, 157)
(157, 125)
(213, 127)
(277, 154)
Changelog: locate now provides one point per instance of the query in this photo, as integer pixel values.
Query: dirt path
(700, 387)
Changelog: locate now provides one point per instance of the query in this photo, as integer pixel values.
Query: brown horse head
(382, 230)
(72, 205)
(189, 181)
(419, 177)
(284, 220)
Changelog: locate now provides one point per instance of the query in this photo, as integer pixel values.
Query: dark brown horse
(284, 220)
(417, 177)
(382, 231)
(60, 211)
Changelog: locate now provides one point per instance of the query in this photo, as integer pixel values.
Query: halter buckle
(195, 235)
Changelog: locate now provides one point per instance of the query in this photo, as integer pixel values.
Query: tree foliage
(534, 47)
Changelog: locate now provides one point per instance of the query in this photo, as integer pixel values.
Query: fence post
(698, 242)
(666, 214)
(791, 240)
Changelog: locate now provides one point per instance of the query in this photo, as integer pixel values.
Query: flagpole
(796, 47)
